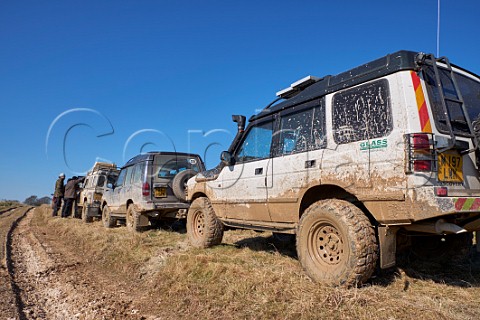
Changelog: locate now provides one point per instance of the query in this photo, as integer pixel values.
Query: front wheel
(203, 227)
(107, 219)
(336, 243)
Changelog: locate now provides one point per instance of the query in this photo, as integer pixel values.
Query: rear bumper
(165, 206)
(93, 210)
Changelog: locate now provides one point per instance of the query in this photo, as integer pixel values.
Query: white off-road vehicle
(356, 165)
(96, 182)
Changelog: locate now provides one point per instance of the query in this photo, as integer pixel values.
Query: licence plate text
(450, 166)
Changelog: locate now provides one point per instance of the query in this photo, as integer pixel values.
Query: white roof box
(297, 86)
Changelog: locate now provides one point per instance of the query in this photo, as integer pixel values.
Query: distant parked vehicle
(96, 182)
(149, 188)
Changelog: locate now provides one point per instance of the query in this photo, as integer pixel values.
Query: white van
(382, 156)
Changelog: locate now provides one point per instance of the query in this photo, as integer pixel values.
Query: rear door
(297, 158)
(121, 193)
(165, 168)
(457, 168)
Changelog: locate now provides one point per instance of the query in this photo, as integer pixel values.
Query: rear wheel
(85, 217)
(107, 219)
(336, 243)
(203, 227)
(133, 219)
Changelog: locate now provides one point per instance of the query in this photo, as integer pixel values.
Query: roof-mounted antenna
(438, 29)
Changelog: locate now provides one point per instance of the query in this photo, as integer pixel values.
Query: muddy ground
(48, 280)
(54, 268)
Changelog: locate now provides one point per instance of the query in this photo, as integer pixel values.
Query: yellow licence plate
(160, 192)
(450, 166)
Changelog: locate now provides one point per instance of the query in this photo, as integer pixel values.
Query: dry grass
(8, 204)
(248, 278)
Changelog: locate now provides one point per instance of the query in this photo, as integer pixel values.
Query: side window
(138, 173)
(112, 179)
(128, 177)
(257, 143)
(362, 113)
(121, 178)
(302, 131)
(100, 181)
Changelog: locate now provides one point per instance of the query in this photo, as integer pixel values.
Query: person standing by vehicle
(58, 194)
(70, 195)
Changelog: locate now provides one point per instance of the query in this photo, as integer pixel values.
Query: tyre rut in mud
(19, 305)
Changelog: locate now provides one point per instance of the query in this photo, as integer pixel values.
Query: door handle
(310, 164)
(258, 171)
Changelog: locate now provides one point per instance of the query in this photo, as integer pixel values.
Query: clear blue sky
(163, 72)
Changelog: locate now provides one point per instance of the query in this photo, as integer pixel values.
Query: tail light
(420, 152)
(146, 189)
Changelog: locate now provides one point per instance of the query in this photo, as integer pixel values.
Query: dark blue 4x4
(150, 187)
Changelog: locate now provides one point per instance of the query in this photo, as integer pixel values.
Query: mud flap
(143, 220)
(387, 237)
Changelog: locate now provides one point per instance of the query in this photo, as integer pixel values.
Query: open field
(67, 269)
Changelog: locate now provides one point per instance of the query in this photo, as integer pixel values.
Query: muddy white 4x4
(150, 187)
(356, 165)
(96, 182)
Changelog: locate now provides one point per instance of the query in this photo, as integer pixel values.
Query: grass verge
(247, 277)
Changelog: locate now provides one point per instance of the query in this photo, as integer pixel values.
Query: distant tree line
(8, 203)
(35, 201)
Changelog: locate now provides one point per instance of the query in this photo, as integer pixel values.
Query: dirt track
(66, 269)
(47, 281)
(10, 301)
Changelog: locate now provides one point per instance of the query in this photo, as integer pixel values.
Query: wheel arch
(331, 191)
(197, 195)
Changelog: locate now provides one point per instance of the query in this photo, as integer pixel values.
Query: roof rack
(103, 165)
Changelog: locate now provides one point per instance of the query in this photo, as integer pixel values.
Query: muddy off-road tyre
(85, 217)
(179, 183)
(452, 248)
(133, 219)
(107, 219)
(203, 227)
(336, 244)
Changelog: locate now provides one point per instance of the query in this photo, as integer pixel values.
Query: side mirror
(226, 158)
